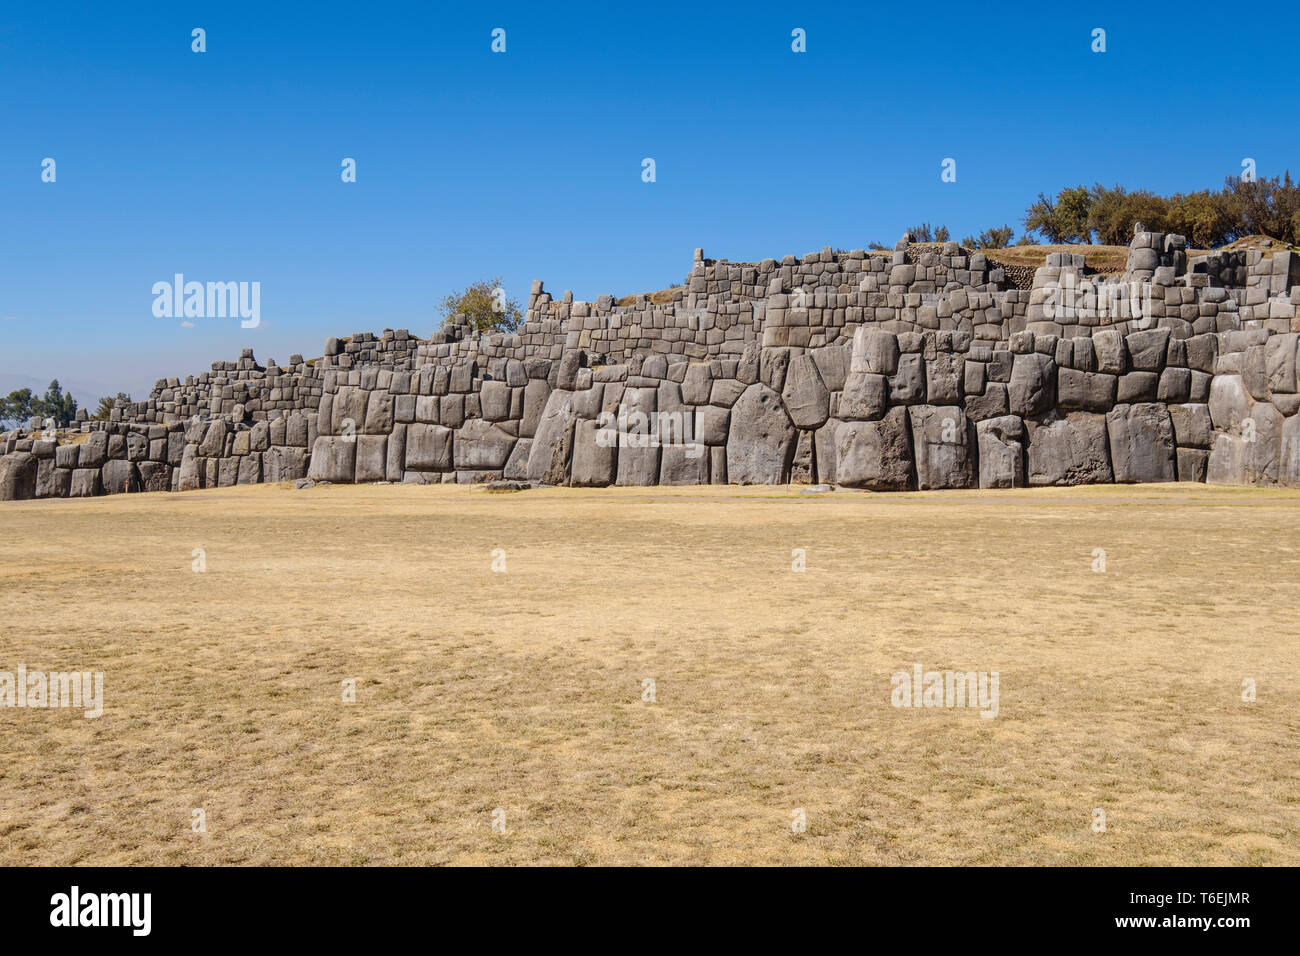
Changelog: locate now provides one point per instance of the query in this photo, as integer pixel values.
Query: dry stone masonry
(933, 367)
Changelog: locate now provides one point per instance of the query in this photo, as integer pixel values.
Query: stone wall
(931, 367)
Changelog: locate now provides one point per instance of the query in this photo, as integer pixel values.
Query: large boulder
(482, 446)
(18, 476)
(284, 463)
(120, 477)
(86, 483)
(1141, 443)
(686, 464)
(760, 445)
(1229, 403)
(1288, 472)
(806, 396)
(1032, 389)
(428, 447)
(864, 398)
(875, 455)
(214, 440)
(1069, 449)
(1250, 454)
(637, 431)
(1001, 452)
(548, 458)
(155, 476)
(371, 458)
(875, 351)
(333, 458)
(943, 446)
(595, 455)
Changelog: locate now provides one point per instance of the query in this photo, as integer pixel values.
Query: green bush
(484, 306)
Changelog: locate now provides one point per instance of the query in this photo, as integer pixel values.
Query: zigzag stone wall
(930, 367)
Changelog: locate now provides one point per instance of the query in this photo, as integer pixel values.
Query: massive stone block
(371, 458)
(333, 458)
(86, 483)
(18, 476)
(548, 458)
(1069, 449)
(1141, 443)
(428, 447)
(943, 447)
(120, 477)
(1084, 391)
(875, 351)
(806, 396)
(1032, 389)
(875, 455)
(482, 446)
(1251, 454)
(157, 476)
(1288, 472)
(760, 445)
(348, 414)
(864, 398)
(1001, 452)
(595, 455)
(284, 463)
(684, 464)
(824, 440)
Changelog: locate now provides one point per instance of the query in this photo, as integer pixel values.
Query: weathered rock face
(1069, 449)
(806, 397)
(875, 455)
(943, 446)
(333, 458)
(1141, 443)
(1001, 452)
(760, 447)
(920, 369)
(638, 454)
(548, 458)
(17, 476)
(595, 455)
(1033, 383)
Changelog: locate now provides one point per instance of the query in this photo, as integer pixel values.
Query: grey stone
(1085, 391)
(482, 446)
(1001, 452)
(864, 398)
(875, 352)
(371, 458)
(1032, 389)
(595, 455)
(807, 399)
(1141, 443)
(428, 447)
(875, 455)
(548, 458)
(760, 445)
(1192, 425)
(942, 446)
(333, 458)
(120, 477)
(18, 476)
(684, 465)
(1069, 449)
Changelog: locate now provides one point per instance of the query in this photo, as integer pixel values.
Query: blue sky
(225, 165)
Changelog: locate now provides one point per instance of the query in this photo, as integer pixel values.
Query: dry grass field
(479, 690)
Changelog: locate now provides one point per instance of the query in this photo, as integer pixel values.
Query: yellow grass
(523, 690)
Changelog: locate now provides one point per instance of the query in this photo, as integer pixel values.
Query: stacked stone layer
(922, 369)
